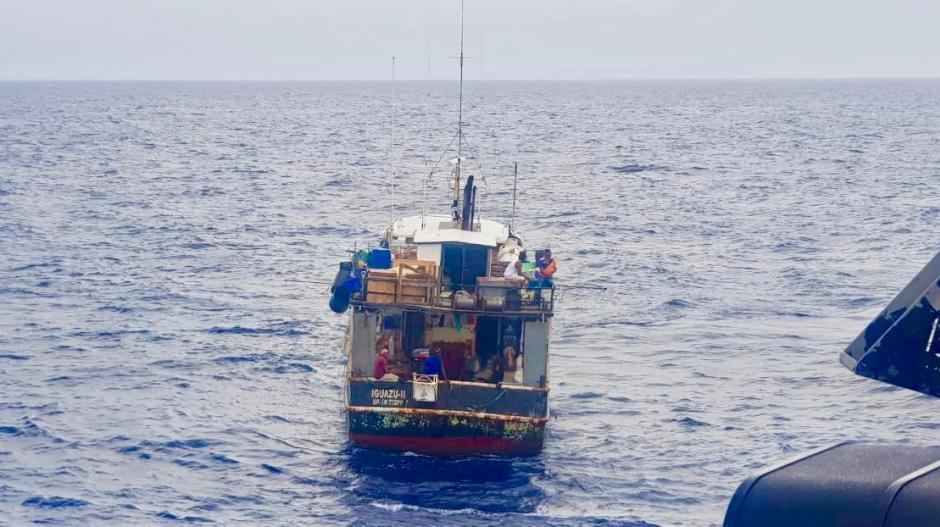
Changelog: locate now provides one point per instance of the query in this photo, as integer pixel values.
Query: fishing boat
(466, 366)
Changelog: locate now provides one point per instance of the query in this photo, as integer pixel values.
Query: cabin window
(461, 265)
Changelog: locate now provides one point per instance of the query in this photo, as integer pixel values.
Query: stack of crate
(408, 282)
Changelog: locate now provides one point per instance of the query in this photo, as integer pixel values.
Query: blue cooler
(380, 259)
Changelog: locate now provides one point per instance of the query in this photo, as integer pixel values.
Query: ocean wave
(149, 324)
(281, 330)
(54, 502)
(633, 168)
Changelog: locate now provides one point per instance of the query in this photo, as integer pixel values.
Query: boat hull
(445, 433)
(465, 418)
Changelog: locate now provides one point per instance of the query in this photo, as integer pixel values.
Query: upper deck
(430, 264)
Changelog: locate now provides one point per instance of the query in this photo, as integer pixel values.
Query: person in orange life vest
(547, 265)
(546, 271)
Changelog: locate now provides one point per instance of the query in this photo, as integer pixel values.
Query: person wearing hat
(381, 366)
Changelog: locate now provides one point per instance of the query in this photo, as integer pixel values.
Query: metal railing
(431, 292)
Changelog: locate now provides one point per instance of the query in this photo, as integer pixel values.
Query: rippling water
(164, 357)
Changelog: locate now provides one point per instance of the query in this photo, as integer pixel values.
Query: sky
(504, 39)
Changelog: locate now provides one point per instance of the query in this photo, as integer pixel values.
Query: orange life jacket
(549, 270)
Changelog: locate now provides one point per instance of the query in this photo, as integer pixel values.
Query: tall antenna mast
(460, 94)
(456, 205)
(391, 150)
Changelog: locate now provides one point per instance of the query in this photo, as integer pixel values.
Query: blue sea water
(167, 357)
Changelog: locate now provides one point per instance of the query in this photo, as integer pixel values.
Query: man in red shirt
(381, 363)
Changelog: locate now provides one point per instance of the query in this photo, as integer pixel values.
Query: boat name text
(388, 397)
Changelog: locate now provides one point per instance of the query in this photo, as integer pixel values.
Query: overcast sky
(507, 39)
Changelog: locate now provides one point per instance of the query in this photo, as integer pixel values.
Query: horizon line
(494, 79)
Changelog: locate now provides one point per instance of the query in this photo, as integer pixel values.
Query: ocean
(167, 354)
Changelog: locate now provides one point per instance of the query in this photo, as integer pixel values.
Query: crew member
(514, 270)
(434, 365)
(381, 366)
(547, 269)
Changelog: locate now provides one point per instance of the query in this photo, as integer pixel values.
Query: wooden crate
(419, 268)
(382, 286)
(395, 286)
(417, 291)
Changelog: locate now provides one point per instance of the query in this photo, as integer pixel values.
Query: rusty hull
(467, 418)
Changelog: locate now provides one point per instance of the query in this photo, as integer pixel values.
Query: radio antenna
(460, 94)
(391, 150)
(515, 178)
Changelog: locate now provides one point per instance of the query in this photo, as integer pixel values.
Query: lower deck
(469, 347)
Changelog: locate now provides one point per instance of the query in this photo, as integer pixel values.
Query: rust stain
(453, 414)
(485, 426)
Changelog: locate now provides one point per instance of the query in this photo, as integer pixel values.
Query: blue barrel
(380, 258)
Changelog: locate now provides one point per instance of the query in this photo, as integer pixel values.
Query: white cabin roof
(439, 229)
(455, 236)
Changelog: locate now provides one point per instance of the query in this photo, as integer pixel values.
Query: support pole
(515, 178)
